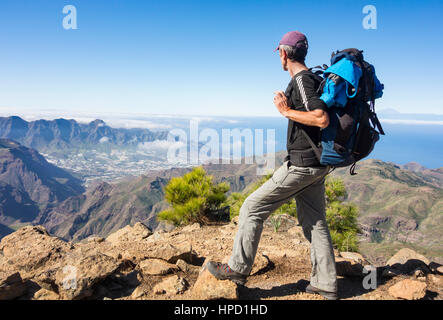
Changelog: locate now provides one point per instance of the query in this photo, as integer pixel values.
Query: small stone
(94, 239)
(44, 294)
(408, 289)
(235, 220)
(171, 285)
(185, 267)
(170, 252)
(155, 267)
(418, 273)
(436, 279)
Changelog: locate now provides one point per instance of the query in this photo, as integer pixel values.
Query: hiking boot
(325, 294)
(222, 271)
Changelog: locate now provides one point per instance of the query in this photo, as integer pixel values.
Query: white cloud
(131, 123)
(412, 122)
(159, 145)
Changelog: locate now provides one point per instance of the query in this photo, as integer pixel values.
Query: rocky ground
(134, 263)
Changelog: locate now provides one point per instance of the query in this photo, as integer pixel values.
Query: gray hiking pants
(306, 184)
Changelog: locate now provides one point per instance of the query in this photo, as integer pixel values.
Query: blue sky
(205, 57)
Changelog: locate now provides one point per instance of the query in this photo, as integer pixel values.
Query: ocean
(402, 143)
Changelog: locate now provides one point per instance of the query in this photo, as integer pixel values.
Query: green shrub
(341, 217)
(192, 197)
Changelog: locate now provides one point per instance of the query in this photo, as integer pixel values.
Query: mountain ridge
(61, 134)
(29, 184)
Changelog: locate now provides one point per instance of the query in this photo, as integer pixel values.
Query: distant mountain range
(394, 115)
(29, 185)
(61, 134)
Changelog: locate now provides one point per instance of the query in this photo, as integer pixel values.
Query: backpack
(349, 89)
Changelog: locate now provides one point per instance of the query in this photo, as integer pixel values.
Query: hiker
(301, 176)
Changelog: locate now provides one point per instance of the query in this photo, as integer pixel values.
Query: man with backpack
(301, 176)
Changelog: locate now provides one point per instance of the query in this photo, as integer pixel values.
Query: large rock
(76, 278)
(208, 287)
(56, 265)
(408, 289)
(155, 267)
(407, 260)
(171, 285)
(30, 249)
(11, 286)
(129, 234)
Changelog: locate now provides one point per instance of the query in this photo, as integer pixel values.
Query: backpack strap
(319, 70)
(312, 144)
(301, 90)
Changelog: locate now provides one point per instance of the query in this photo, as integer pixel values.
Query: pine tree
(192, 197)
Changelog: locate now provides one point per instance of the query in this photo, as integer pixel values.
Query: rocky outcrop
(68, 270)
(134, 263)
(30, 250)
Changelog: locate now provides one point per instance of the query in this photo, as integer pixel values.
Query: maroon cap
(294, 39)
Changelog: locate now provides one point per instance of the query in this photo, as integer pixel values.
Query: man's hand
(281, 102)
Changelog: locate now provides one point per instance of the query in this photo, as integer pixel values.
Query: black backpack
(354, 128)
